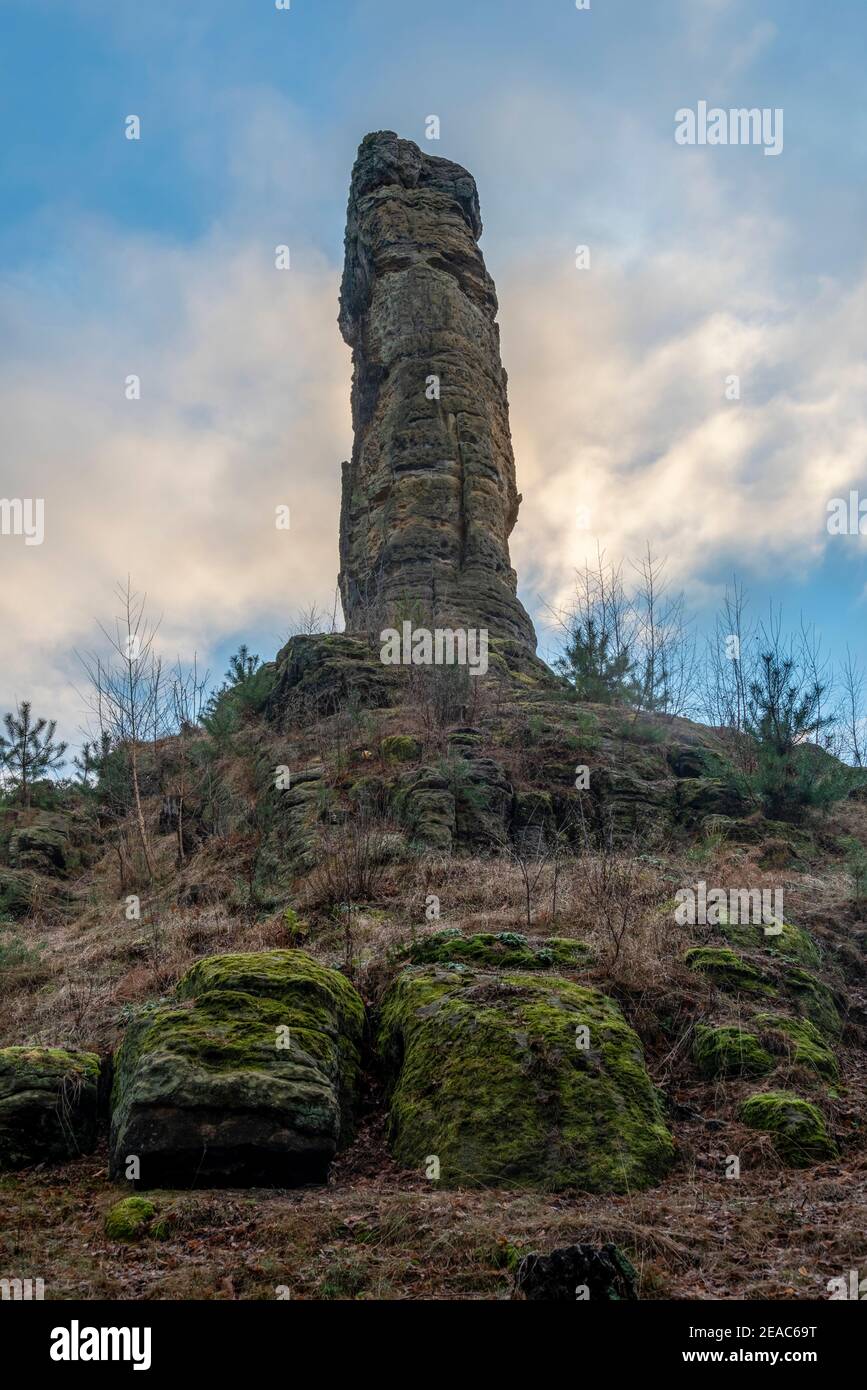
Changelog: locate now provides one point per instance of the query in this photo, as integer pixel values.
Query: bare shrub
(353, 867)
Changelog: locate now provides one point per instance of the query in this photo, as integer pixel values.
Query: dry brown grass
(771, 1235)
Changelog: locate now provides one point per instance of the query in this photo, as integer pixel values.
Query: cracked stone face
(429, 495)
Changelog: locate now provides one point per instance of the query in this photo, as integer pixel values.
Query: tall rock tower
(429, 497)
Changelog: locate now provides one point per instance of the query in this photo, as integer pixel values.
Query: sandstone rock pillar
(429, 496)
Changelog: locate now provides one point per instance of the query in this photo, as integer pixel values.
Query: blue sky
(156, 257)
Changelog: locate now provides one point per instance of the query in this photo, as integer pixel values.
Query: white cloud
(636, 426)
(245, 405)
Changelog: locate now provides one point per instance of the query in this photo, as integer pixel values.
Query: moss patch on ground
(130, 1218)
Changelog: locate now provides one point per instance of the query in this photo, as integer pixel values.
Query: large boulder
(248, 1077)
(48, 1104)
(490, 1075)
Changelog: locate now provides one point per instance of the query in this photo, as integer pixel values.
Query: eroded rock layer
(429, 495)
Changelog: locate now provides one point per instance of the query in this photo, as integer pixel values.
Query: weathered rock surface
(319, 674)
(48, 1104)
(429, 495)
(290, 826)
(209, 1092)
(486, 1075)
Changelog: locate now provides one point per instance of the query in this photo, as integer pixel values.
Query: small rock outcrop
(796, 1126)
(248, 1078)
(48, 1104)
(429, 495)
(577, 1272)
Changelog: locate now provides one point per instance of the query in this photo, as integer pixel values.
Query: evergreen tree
(92, 762)
(28, 751)
(245, 687)
(601, 671)
(242, 666)
(783, 711)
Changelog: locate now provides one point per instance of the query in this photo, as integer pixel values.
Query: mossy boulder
(400, 748)
(728, 1050)
(249, 1076)
(48, 1104)
(130, 1219)
(796, 1126)
(800, 1040)
(606, 1274)
(484, 798)
(44, 846)
(489, 1074)
(780, 939)
(629, 805)
(503, 950)
(813, 1000)
(694, 762)
(728, 970)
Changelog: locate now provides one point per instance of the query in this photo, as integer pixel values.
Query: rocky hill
(425, 978)
(433, 997)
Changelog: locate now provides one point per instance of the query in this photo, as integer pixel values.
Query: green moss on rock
(802, 1041)
(728, 970)
(400, 748)
(796, 1126)
(813, 1000)
(130, 1219)
(730, 1051)
(504, 950)
(484, 1073)
(250, 1075)
(48, 1104)
(791, 944)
